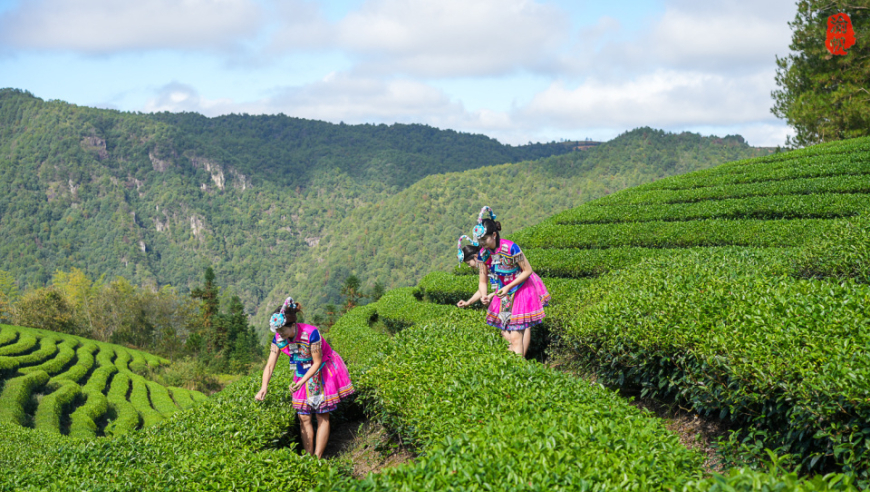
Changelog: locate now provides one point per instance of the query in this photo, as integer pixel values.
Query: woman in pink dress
(320, 380)
(519, 296)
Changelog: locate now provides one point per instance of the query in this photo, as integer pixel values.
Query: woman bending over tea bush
(519, 296)
(321, 379)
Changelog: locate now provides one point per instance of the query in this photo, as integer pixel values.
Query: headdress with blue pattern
(278, 319)
(459, 252)
(479, 231)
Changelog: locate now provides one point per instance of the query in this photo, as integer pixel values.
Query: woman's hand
(463, 304)
(503, 291)
(294, 387)
(260, 395)
(487, 299)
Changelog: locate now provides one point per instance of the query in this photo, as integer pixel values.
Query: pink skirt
(323, 392)
(526, 308)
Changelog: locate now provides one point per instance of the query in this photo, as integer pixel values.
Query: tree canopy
(823, 96)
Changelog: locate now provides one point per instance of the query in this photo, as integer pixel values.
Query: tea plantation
(741, 291)
(63, 384)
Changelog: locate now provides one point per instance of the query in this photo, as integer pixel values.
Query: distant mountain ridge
(156, 198)
(402, 238)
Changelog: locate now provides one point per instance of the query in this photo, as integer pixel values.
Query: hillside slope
(739, 291)
(399, 239)
(156, 198)
(484, 419)
(58, 383)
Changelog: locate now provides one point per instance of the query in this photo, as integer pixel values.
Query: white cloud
(428, 38)
(698, 66)
(723, 37)
(661, 98)
(110, 26)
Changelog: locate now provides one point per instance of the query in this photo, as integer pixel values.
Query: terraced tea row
(826, 206)
(227, 442)
(848, 159)
(481, 416)
(657, 234)
(85, 380)
(834, 184)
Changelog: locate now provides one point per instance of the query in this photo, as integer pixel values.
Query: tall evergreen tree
(825, 97)
(208, 294)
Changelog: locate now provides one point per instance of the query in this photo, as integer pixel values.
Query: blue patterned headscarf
(459, 252)
(279, 319)
(479, 231)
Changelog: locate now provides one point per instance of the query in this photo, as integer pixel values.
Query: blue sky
(516, 70)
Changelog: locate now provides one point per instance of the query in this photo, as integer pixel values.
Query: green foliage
(228, 441)
(51, 407)
(276, 204)
(824, 206)
(400, 239)
(502, 423)
(771, 335)
(8, 295)
(849, 183)
(24, 343)
(57, 355)
(823, 96)
(658, 234)
(160, 399)
(84, 363)
(158, 198)
(181, 397)
(82, 420)
(126, 417)
(64, 354)
(16, 395)
(842, 253)
(47, 349)
(48, 309)
(7, 336)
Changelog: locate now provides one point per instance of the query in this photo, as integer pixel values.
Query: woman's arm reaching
(481, 288)
(267, 372)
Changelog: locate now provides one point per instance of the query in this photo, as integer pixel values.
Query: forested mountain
(156, 198)
(279, 204)
(398, 240)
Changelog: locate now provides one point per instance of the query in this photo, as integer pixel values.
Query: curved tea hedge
(740, 291)
(81, 388)
(227, 442)
(483, 419)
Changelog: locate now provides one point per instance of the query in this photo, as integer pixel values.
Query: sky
(516, 70)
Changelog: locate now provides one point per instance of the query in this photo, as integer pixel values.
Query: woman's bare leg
(307, 433)
(527, 339)
(322, 434)
(506, 336)
(516, 340)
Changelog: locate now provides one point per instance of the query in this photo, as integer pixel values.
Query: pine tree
(214, 332)
(825, 97)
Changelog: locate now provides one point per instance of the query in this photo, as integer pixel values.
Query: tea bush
(51, 407)
(659, 234)
(483, 419)
(802, 186)
(88, 365)
(226, 442)
(25, 342)
(816, 205)
(84, 363)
